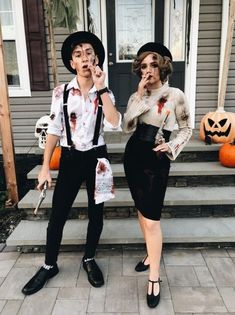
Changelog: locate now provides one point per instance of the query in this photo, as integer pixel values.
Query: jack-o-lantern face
(218, 126)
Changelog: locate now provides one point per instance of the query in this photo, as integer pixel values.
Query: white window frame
(21, 51)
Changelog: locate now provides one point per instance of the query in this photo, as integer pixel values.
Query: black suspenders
(97, 125)
(66, 118)
(67, 126)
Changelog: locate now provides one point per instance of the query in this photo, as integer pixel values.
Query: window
(177, 29)
(134, 27)
(93, 17)
(11, 16)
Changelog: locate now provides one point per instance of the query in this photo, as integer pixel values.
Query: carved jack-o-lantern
(218, 126)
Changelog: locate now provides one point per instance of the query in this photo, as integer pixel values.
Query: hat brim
(155, 47)
(78, 38)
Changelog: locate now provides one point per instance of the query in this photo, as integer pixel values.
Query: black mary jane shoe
(39, 279)
(141, 266)
(153, 300)
(94, 274)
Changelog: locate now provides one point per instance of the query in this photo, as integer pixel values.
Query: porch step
(127, 231)
(192, 145)
(175, 196)
(177, 169)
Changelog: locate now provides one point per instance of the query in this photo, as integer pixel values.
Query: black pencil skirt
(147, 176)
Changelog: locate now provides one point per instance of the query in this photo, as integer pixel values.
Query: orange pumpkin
(218, 126)
(227, 154)
(55, 159)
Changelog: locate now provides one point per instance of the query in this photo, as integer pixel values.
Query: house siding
(209, 40)
(25, 111)
(230, 92)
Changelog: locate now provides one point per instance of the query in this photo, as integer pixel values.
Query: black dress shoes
(141, 266)
(153, 300)
(39, 279)
(94, 274)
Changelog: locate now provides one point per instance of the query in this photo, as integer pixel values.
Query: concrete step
(195, 150)
(192, 145)
(177, 169)
(175, 196)
(127, 231)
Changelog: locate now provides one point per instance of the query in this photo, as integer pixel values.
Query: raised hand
(142, 84)
(98, 76)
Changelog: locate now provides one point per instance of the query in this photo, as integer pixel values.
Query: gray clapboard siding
(230, 92)
(208, 61)
(206, 82)
(25, 111)
(23, 129)
(211, 96)
(204, 89)
(208, 58)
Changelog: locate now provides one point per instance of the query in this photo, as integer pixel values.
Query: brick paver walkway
(194, 282)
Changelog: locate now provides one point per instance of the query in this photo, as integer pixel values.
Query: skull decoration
(218, 126)
(41, 130)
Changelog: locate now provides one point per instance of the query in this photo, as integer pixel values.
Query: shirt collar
(74, 84)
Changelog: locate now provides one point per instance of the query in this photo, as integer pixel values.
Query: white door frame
(191, 67)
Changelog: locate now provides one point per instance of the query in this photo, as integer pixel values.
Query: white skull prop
(41, 130)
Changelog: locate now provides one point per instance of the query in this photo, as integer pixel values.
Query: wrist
(102, 91)
(139, 94)
(45, 166)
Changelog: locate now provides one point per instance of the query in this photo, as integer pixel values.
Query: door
(130, 24)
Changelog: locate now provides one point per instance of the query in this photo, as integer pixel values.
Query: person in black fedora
(79, 111)
(152, 113)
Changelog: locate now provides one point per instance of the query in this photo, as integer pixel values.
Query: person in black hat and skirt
(151, 115)
(78, 126)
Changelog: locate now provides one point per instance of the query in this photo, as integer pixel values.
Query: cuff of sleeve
(54, 131)
(108, 125)
(170, 153)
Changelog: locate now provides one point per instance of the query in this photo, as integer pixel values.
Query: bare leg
(153, 235)
(140, 216)
(141, 222)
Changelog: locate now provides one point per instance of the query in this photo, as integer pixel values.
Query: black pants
(75, 167)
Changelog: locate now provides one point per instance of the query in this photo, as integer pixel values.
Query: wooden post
(6, 134)
(227, 55)
(49, 16)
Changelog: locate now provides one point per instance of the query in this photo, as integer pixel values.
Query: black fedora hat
(155, 47)
(77, 38)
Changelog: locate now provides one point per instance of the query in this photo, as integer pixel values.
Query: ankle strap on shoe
(157, 281)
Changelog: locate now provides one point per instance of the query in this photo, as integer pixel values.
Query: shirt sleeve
(108, 125)
(135, 107)
(184, 133)
(55, 126)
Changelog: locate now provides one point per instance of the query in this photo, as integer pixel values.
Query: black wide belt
(146, 132)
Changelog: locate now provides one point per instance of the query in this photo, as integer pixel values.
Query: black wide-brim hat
(77, 38)
(155, 47)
